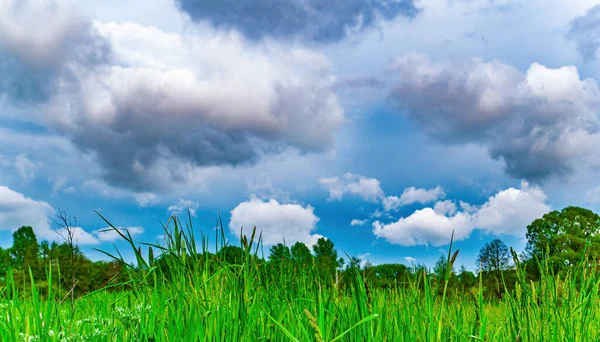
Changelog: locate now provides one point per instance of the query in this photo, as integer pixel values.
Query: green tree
(44, 252)
(326, 257)
(387, 275)
(439, 271)
(5, 261)
(301, 253)
(280, 253)
(440, 267)
(24, 252)
(231, 255)
(494, 256)
(353, 263)
(25, 247)
(563, 235)
(466, 278)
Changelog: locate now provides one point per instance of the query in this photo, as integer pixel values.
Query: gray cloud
(154, 108)
(539, 122)
(313, 20)
(153, 118)
(39, 43)
(585, 31)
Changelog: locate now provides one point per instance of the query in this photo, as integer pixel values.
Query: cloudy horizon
(383, 125)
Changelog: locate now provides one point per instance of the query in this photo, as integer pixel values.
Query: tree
(67, 226)
(440, 267)
(232, 255)
(563, 236)
(44, 251)
(326, 257)
(5, 261)
(387, 275)
(280, 253)
(494, 256)
(354, 263)
(301, 253)
(25, 247)
(466, 278)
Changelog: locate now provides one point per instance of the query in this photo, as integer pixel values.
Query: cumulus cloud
(80, 236)
(183, 206)
(312, 20)
(109, 234)
(276, 221)
(39, 42)
(172, 102)
(446, 207)
(507, 212)
(16, 210)
(413, 195)
(585, 31)
(356, 222)
(539, 122)
(368, 189)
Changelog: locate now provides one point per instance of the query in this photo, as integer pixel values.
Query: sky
(383, 125)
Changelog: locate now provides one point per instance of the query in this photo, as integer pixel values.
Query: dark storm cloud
(313, 20)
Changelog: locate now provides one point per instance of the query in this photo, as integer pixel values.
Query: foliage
(494, 256)
(179, 292)
(563, 235)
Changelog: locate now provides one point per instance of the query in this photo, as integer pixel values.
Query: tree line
(559, 239)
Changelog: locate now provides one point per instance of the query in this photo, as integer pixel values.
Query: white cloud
(413, 195)
(16, 210)
(108, 234)
(277, 221)
(410, 260)
(364, 259)
(508, 212)
(356, 222)
(368, 189)
(38, 30)
(183, 206)
(541, 123)
(80, 236)
(243, 101)
(424, 227)
(26, 168)
(511, 210)
(446, 207)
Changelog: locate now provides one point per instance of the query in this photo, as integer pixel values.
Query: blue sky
(383, 125)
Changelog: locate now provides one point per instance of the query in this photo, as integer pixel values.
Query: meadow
(184, 294)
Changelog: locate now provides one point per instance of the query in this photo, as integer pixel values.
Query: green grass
(216, 301)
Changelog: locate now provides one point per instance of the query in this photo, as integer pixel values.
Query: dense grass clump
(184, 293)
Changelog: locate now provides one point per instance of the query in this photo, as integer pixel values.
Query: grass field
(244, 303)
